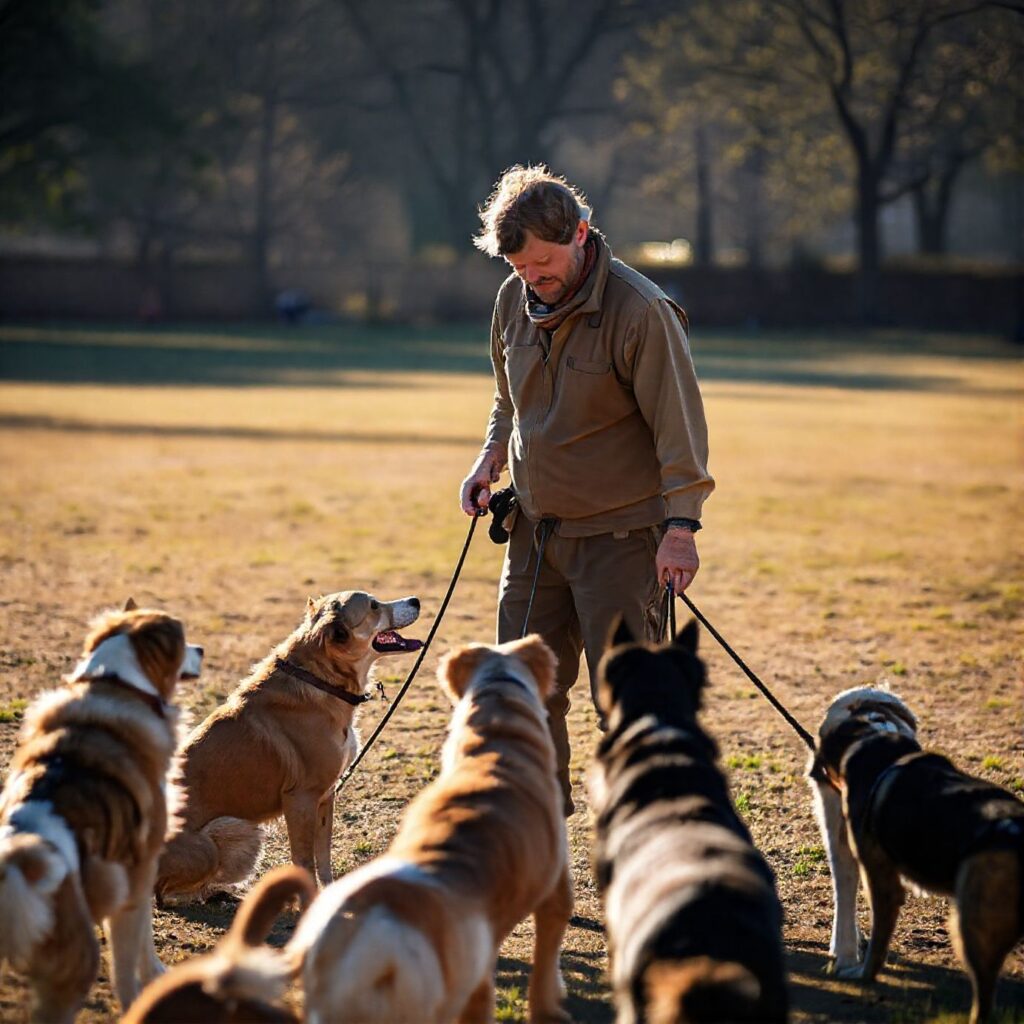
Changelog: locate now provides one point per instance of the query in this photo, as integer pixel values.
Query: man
(598, 415)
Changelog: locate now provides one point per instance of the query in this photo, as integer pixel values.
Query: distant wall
(46, 288)
(986, 302)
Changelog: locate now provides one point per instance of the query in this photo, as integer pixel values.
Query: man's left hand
(677, 558)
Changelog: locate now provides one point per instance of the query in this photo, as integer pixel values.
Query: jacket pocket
(588, 366)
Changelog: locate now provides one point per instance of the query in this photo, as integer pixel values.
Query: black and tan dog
(694, 922)
(278, 744)
(83, 815)
(895, 810)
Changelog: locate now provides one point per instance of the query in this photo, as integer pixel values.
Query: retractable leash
(769, 696)
(419, 661)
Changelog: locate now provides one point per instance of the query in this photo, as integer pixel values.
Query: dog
(83, 815)
(414, 935)
(242, 980)
(891, 809)
(693, 918)
(278, 745)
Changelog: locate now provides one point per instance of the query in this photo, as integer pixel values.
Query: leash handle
(393, 706)
(765, 692)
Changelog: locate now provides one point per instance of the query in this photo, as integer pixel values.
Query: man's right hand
(476, 488)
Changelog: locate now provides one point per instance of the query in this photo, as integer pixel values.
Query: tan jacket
(602, 420)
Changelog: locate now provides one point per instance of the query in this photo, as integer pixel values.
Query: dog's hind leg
(551, 918)
(985, 923)
(886, 895)
(846, 938)
(480, 1007)
(65, 966)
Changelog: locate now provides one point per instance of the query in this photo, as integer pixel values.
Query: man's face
(550, 268)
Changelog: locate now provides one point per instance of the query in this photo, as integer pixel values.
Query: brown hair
(529, 199)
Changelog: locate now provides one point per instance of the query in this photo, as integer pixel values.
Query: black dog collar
(355, 699)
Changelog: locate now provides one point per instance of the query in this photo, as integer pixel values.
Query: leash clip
(383, 695)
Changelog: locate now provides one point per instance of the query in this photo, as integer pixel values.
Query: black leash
(768, 695)
(419, 661)
(546, 528)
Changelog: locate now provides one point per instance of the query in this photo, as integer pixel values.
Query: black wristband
(693, 525)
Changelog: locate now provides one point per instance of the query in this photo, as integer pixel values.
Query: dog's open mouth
(388, 641)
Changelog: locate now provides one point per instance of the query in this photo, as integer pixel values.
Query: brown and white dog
(889, 808)
(83, 814)
(414, 935)
(242, 980)
(278, 745)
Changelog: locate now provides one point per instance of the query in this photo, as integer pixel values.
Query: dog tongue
(390, 642)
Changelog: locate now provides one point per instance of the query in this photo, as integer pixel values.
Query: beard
(553, 290)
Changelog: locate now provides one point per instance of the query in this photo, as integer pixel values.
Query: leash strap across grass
(419, 661)
(766, 693)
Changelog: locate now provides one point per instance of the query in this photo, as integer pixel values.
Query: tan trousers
(584, 583)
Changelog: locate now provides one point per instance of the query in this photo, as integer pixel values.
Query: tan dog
(278, 745)
(242, 980)
(84, 814)
(414, 935)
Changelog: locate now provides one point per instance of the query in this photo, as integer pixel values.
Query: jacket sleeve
(666, 390)
(499, 426)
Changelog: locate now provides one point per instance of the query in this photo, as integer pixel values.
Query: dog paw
(848, 971)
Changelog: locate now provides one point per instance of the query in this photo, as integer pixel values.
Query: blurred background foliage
(287, 134)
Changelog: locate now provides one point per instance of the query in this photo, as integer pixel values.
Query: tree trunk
(932, 208)
(704, 249)
(869, 246)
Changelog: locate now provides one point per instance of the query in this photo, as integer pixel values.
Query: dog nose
(415, 602)
(199, 651)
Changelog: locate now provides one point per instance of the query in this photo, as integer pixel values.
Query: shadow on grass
(906, 992)
(328, 356)
(588, 999)
(61, 423)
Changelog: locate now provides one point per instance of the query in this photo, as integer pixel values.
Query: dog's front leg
(300, 817)
(845, 943)
(886, 895)
(125, 934)
(324, 831)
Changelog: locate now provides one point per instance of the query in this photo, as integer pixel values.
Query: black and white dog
(694, 922)
(889, 809)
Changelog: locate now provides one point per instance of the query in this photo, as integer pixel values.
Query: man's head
(539, 224)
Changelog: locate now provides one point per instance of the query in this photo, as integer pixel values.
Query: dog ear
(687, 637)
(130, 605)
(535, 654)
(456, 668)
(620, 633)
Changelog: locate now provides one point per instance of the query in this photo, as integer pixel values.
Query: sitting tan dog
(278, 745)
(242, 980)
(83, 815)
(414, 935)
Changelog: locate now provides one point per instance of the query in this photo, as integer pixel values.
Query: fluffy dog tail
(31, 871)
(194, 865)
(375, 969)
(701, 990)
(250, 970)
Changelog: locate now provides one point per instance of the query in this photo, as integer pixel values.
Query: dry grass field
(867, 526)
